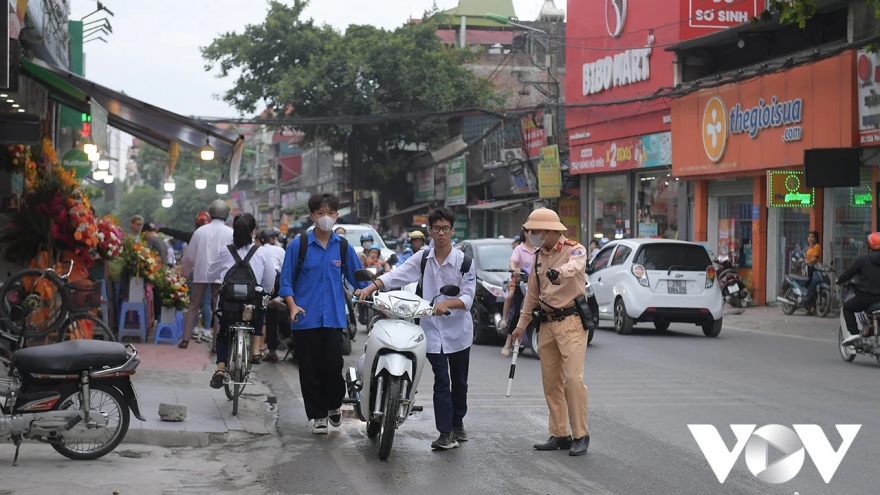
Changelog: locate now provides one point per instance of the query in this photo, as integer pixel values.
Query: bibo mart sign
(756, 444)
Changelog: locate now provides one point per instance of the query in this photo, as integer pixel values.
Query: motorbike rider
(417, 243)
(867, 291)
(812, 258)
(375, 260)
(520, 260)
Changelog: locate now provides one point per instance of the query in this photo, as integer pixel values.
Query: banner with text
(549, 177)
(456, 185)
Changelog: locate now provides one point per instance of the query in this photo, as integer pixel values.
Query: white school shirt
(261, 264)
(444, 334)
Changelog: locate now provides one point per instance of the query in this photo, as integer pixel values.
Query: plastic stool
(166, 332)
(141, 312)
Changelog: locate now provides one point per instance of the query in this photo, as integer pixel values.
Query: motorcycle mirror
(450, 290)
(392, 260)
(364, 276)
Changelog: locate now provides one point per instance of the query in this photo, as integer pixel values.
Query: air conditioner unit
(512, 154)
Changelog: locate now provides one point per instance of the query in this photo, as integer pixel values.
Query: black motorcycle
(794, 289)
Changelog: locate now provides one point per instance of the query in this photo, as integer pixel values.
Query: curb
(166, 438)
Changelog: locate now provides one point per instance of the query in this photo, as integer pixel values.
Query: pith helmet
(544, 219)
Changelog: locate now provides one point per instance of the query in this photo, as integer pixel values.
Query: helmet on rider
(267, 234)
(366, 237)
(874, 241)
(375, 247)
(417, 235)
(219, 210)
(203, 219)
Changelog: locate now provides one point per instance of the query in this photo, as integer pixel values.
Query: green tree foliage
(142, 200)
(799, 11)
(295, 67)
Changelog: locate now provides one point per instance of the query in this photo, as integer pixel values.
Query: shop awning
(411, 209)
(496, 205)
(152, 124)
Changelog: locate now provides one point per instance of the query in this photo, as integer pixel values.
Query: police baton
(512, 368)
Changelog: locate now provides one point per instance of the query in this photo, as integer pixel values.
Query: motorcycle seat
(70, 357)
(800, 279)
(874, 308)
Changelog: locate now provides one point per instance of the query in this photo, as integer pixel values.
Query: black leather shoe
(555, 443)
(579, 446)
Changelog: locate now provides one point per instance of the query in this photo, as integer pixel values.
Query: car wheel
(533, 341)
(480, 336)
(661, 325)
(623, 324)
(712, 328)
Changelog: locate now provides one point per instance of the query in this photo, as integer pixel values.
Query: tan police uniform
(562, 344)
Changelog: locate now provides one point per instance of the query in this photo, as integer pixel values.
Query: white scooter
(868, 320)
(393, 360)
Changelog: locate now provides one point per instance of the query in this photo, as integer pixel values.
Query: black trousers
(856, 304)
(319, 354)
(277, 323)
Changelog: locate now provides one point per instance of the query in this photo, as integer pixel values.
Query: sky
(153, 52)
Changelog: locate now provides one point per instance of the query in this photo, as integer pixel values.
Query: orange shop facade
(742, 146)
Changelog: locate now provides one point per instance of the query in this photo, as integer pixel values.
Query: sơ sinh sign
(786, 189)
(766, 122)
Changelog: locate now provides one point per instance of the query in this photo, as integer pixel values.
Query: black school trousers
(319, 356)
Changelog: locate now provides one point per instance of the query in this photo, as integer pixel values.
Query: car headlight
(493, 289)
(588, 290)
(405, 309)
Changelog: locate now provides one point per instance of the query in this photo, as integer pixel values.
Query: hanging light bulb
(99, 175)
(206, 152)
(167, 200)
(108, 179)
(90, 148)
(169, 185)
(94, 157)
(201, 183)
(222, 186)
(103, 165)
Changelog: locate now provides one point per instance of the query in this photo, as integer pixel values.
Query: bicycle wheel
(34, 302)
(79, 322)
(237, 366)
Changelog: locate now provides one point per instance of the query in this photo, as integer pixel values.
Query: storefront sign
(656, 150)
(456, 186)
(569, 215)
(424, 187)
(861, 197)
(707, 16)
(461, 228)
(420, 219)
(868, 69)
(549, 177)
(786, 189)
(77, 160)
(629, 67)
(767, 122)
(534, 136)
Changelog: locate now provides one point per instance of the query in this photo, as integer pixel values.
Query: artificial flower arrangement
(138, 260)
(172, 289)
(109, 238)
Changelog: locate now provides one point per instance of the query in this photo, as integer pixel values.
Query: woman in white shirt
(243, 228)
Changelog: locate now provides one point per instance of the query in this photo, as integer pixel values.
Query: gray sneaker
(459, 434)
(445, 442)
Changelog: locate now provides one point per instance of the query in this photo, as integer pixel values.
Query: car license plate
(676, 287)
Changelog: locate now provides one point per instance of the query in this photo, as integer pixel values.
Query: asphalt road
(644, 391)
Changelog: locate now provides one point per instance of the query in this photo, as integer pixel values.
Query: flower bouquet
(172, 289)
(138, 260)
(109, 238)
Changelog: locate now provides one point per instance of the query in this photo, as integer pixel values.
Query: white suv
(657, 280)
(353, 233)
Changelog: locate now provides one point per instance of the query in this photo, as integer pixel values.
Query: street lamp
(206, 152)
(169, 185)
(167, 200)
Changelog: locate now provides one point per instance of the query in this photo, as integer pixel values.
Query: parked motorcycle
(73, 395)
(794, 287)
(383, 386)
(733, 289)
(869, 344)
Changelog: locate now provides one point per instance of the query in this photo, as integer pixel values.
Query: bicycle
(238, 365)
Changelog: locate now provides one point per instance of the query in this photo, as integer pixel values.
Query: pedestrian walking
(206, 242)
(312, 288)
(449, 338)
(556, 280)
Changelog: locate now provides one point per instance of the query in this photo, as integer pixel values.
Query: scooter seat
(70, 357)
(800, 279)
(874, 308)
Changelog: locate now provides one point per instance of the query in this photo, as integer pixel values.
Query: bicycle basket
(85, 295)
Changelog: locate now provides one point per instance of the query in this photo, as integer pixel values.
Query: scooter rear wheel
(111, 403)
(788, 309)
(846, 353)
(823, 303)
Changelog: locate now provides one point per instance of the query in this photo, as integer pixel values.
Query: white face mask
(325, 223)
(535, 240)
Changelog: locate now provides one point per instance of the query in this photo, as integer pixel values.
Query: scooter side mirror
(364, 276)
(450, 290)
(392, 260)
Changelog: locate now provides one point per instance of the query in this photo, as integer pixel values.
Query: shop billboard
(766, 122)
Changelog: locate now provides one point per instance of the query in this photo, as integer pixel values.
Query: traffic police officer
(556, 280)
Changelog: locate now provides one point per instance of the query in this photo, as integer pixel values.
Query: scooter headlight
(405, 309)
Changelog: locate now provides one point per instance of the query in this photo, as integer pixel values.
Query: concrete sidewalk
(772, 320)
(168, 374)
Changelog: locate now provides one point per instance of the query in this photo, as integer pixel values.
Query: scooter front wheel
(389, 419)
(847, 353)
(788, 308)
(823, 303)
